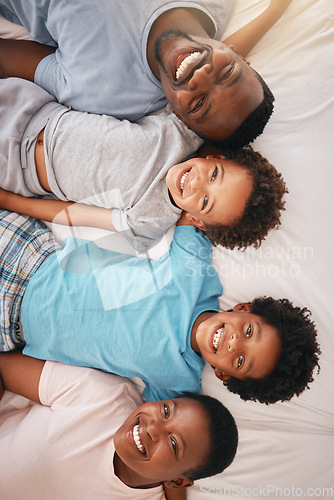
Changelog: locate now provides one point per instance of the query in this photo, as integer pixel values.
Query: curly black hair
(299, 357)
(223, 436)
(263, 209)
(252, 126)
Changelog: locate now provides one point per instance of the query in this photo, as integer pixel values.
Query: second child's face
(212, 190)
(239, 344)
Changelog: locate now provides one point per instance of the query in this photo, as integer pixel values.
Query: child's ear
(216, 155)
(222, 376)
(195, 222)
(243, 306)
(181, 482)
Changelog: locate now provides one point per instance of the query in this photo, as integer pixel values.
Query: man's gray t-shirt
(100, 64)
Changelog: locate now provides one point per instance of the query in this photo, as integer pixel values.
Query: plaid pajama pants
(24, 245)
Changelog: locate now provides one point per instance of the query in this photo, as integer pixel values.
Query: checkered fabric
(24, 245)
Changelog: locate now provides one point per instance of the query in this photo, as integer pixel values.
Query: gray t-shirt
(102, 161)
(100, 64)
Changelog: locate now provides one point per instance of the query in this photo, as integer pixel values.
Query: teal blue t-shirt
(128, 315)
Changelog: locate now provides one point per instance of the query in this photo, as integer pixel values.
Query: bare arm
(60, 212)
(21, 374)
(20, 58)
(248, 36)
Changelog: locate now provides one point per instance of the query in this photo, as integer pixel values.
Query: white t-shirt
(64, 449)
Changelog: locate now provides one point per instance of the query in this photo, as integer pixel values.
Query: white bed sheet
(286, 450)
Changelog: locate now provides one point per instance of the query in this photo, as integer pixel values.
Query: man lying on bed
(156, 320)
(89, 438)
(124, 58)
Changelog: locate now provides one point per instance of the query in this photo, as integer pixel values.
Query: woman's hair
(299, 357)
(223, 437)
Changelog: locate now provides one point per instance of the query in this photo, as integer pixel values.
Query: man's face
(239, 344)
(210, 87)
(212, 190)
(161, 440)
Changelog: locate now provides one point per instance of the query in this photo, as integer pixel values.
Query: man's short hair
(252, 126)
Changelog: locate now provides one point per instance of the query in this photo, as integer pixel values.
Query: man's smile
(185, 64)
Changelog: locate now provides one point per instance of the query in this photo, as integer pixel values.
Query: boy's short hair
(252, 126)
(223, 437)
(299, 357)
(263, 209)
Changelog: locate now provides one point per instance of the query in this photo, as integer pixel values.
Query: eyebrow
(229, 84)
(175, 408)
(258, 337)
(221, 175)
(233, 82)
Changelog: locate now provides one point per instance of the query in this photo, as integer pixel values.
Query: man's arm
(60, 212)
(248, 36)
(20, 58)
(20, 374)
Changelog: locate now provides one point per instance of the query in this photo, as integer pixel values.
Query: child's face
(212, 190)
(239, 344)
(161, 440)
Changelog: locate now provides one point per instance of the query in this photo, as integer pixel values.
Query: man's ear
(181, 482)
(232, 47)
(195, 222)
(179, 117)
(222, 376)
(243, 307)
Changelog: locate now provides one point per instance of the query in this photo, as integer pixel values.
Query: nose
(200, 78)
(153, 429)
(233, 342)
(196, 182)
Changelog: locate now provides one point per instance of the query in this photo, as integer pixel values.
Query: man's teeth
(216, 337)
(183, 178)
(137, 439)
(185, 63)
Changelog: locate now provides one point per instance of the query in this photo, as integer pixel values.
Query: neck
(130, 477)
(177, 19)
(202, 317)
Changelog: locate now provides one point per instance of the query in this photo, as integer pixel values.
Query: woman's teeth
(137, 439)
(216, 337)
(185, 63)
(183, 178)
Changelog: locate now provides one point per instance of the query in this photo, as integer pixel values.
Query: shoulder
(192, 242)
